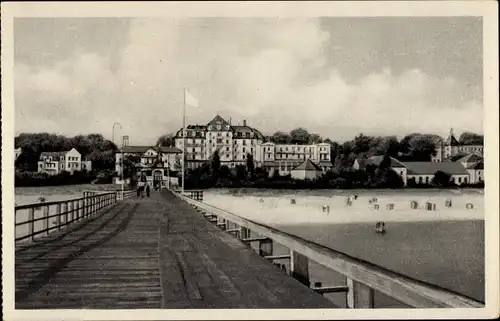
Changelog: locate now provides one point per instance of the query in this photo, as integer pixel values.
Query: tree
(280, 138)
(129, 162)
(299, 136)
(441, 179)
(250, 165)
(385, 163)
(388, 178)
(468, 138)
(166, 141)
(314, 139)
(215, 164)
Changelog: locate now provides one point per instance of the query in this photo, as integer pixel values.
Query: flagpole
(183, 138)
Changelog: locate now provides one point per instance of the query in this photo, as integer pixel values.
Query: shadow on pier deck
(154, 252)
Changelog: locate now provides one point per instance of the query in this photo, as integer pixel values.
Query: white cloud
(271, 73)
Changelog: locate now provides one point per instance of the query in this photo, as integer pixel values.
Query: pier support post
(244, 232)
(299, 267)
(359, 296)
(266, 247)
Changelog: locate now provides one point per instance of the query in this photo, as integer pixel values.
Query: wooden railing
(362, 277)
(40, 219)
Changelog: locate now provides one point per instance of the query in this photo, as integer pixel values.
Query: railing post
(359, 295)
(78, 210)
(46, 219)
(32, 224)
(266, 247)
(70, 210)
(58, 219)
(65, 209)
(299, 267)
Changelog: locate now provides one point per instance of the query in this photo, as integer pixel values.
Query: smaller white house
(54, 163)
(476, 172)
(306, 170)
(423, 172)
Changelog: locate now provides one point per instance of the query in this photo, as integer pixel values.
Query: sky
(337, 77)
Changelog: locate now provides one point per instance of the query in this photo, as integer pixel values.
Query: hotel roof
(430, 168)
(307, 165)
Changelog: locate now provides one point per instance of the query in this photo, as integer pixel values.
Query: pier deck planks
(151, 253)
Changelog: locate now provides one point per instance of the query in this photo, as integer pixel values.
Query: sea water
(444, 247)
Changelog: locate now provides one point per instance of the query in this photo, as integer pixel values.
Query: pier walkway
(153, 252)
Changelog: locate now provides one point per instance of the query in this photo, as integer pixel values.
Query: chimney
(125, 141)
(244, 122)
(229, 121)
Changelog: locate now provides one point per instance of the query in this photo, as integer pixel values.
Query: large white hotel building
(234, 143)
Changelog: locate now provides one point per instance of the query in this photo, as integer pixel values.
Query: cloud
(271, 72)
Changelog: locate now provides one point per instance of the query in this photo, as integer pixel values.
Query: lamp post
(121, 152)
(116, 123)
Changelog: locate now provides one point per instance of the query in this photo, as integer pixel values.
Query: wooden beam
(255, 239)
(277, 257)
(299, 267)
(359, 296)
(331, 289)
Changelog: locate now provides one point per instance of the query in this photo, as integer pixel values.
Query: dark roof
(376, 160)
(307, 165)
(451, 140)
(135, 149)
(325, 163)
(165, 149)
(430, 168)
(246, 129)
(471, 158)
(218, 120)
(54, 154)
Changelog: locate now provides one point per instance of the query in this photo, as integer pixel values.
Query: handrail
(57, 214)
(402, 288)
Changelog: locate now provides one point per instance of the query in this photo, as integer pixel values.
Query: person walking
(147, 189)
(140, 186)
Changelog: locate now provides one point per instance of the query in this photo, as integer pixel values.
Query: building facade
(155, 164)
(54, 163)
(452, 147)
(469, 169)
(235, 142)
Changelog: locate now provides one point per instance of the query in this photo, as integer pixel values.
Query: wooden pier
(153, 252)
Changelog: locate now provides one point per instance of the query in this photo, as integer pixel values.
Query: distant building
(235, 142)
(287, 156)
(423, 172)
(54, 163)
(469, 169)
(155, 163)
(232, 142)
(451, 147)
(306, 170)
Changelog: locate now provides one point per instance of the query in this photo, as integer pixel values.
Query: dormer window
(218, 127)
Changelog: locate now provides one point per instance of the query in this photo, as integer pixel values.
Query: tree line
(93, 147)
(412, 147)
(213, 174)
